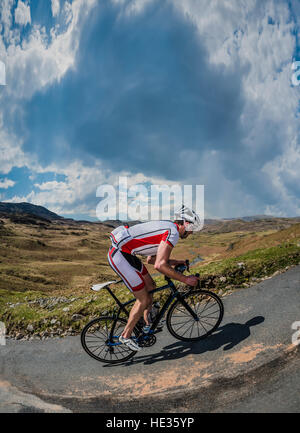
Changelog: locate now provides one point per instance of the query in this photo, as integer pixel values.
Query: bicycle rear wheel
(100, 339)
(209, 310)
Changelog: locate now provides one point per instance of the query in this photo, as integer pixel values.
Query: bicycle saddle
(97, 287)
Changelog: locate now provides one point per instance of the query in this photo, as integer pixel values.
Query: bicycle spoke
(198, 329)
(93, 340)
(181, 326)
(120, 349)
(188, 328)
(206, 306)
(101, 350)
(207, 323)
(105, 356)
(179, 323)
(208, 310)
(178, 315)
(208, 319)
(93, 334)
(95, 337)
(192, 329)
(212, 312)
(97, 348)
(187, 322)
(202, 326)
(185, 312)
(94, 346)
(101, 340)
(123, 350)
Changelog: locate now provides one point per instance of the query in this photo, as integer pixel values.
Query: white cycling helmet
(186, 214)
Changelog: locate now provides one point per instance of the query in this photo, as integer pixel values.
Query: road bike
(192, 314)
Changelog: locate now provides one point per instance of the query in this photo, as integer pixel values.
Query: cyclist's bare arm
(162, 265)
(172, 262)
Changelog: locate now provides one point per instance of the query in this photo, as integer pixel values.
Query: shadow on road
(229, 336)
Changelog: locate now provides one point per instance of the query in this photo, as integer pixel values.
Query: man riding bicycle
(156, 240)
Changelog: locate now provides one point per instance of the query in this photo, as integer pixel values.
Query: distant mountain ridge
(29, 209)
(42, 212)
(251, 218)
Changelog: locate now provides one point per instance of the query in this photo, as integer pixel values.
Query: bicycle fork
(188, 308)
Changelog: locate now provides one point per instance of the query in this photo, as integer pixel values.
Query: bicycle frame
(113, 324)
(173, 295)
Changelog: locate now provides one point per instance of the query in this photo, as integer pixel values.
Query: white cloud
(258, 40)
(259, 37)
(284, 174)
(32, 64)
(22, 14)
(2, 74)
(55, 7)
(38, 62)
(6, 183)
(11, 154)
(237, 36)
(137, 6)
(64, 197)
(6, 17)
(77, 193)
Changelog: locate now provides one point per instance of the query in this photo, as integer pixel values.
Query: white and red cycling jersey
(141, 239)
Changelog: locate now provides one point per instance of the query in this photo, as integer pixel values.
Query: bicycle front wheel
(208, 309)
(100, 339)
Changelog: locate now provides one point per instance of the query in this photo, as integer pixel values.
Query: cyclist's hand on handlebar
(191, 280)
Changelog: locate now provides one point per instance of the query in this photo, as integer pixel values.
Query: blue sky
(180, 91)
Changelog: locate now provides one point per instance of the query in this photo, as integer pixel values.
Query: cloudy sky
(172, 91)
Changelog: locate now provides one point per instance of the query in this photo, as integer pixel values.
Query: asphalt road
(248, 365)
(276, 390)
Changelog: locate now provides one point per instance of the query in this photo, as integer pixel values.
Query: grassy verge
(33, 314)
(246, 269)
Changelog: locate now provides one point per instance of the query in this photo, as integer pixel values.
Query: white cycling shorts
(128, 267)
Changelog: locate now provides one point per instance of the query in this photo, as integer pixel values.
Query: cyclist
(154, 239)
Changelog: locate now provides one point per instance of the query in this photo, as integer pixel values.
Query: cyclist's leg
(135, 281)
(142, 301)
(150, 285)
